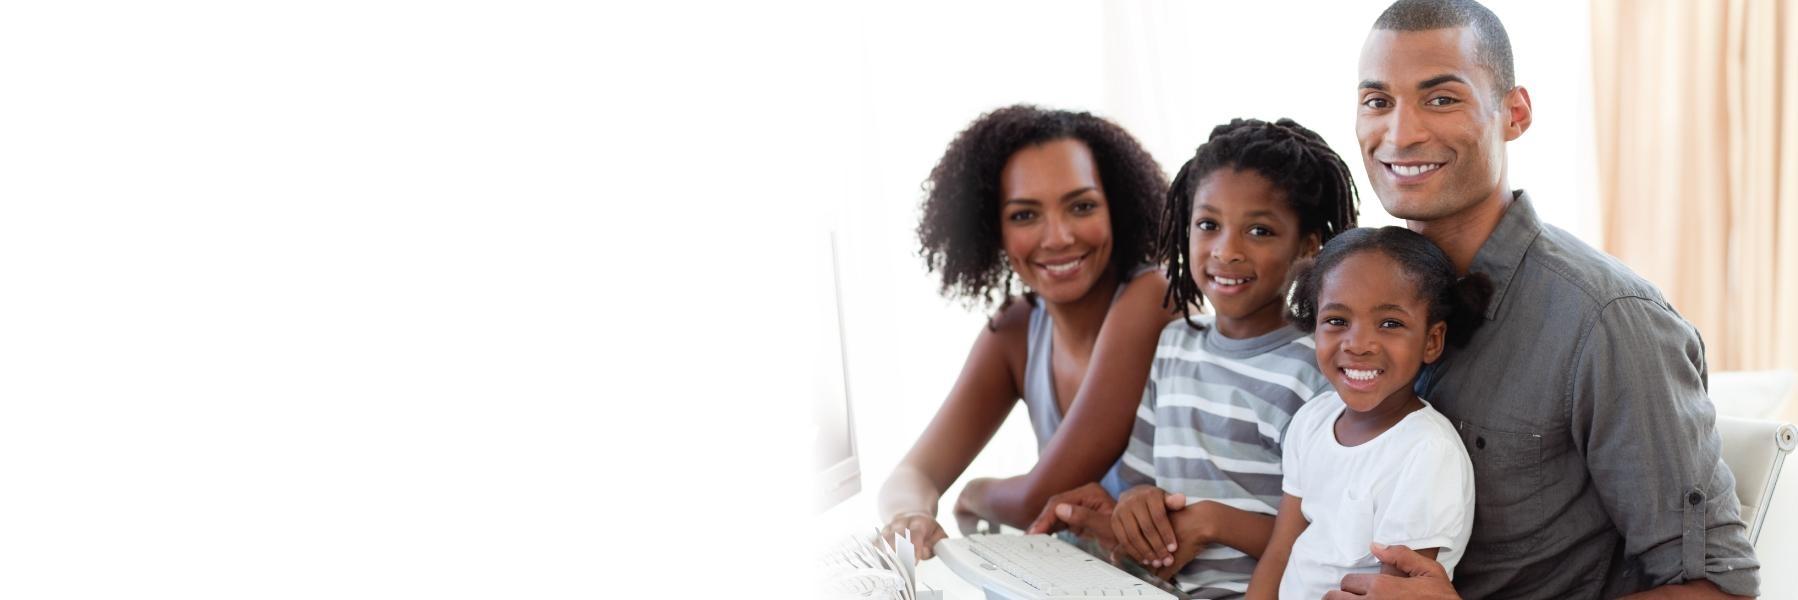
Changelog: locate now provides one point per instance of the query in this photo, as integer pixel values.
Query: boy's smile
(1244, 238)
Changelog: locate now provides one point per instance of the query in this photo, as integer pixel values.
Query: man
(1582, 400)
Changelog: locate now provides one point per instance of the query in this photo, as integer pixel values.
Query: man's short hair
(1494, 49)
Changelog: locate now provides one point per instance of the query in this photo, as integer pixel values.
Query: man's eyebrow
(1369, 84)
(1441, 79)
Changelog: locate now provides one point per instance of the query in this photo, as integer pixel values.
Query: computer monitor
(838, 470)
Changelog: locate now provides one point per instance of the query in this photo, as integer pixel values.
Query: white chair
(1755, 450)
(1750, 394)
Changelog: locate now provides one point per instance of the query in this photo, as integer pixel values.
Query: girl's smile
(1373, 332)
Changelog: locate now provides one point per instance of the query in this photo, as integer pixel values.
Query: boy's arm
(1208, 522)
(1265, 585)
(1234, 527)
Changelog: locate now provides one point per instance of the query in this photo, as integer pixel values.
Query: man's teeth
(1229, 281)
(1361, 375)
(1062, 269)
(1412, 170)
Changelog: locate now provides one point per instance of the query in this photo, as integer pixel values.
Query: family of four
(1477, 405)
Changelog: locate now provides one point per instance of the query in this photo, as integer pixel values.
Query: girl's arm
(1287, 526)
(1097, 426)
(983, 395)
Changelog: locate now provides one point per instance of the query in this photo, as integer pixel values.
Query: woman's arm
(983, 395)
(1097, 427)
(1272, 566)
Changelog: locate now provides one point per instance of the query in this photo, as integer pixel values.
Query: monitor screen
(833, 439)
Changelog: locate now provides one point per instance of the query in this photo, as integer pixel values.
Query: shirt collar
(1502, 254)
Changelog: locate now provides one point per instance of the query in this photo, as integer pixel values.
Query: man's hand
(1090, 496)
(1141, 525)
(1423, 578)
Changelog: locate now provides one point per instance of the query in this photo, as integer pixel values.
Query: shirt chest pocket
(1507, 472)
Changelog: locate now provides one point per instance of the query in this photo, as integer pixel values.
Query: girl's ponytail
(1467, 298)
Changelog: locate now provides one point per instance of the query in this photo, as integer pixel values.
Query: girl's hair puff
(1296, 160)
(1459, 301)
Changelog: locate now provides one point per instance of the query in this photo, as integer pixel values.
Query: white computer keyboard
(1032, 567)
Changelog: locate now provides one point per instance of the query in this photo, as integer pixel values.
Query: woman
(1066, 203)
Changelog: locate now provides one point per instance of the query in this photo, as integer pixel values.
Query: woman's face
(1054, 219)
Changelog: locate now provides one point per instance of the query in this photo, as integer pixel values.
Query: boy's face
(1373, 331)
(1243, 239)
(1431, 129)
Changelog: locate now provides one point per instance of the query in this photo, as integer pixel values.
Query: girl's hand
(925, 532)
(1142, 528)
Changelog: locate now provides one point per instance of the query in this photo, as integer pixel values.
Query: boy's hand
(1142, 528)
(1192, 531)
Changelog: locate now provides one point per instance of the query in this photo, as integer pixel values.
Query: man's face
(1432, 131)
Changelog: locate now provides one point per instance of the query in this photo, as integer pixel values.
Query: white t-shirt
(1411, 486)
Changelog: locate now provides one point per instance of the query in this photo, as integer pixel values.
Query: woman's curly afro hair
(959, 230)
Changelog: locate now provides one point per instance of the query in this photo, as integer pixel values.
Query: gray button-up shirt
(1597, 469)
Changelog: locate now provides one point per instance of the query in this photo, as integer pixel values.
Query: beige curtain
(1697, 118)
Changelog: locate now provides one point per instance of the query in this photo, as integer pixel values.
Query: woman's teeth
(1063, 268)
(1414, 170)
(1361, 375)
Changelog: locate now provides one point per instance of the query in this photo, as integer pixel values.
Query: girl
(1065, 203)
(1371, 463)
(1205, 452)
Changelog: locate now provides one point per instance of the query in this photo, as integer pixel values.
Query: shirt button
(1694, 498)
(1479, 442)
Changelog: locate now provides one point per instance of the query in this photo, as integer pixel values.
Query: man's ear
(1518, 113)
(1432, 342)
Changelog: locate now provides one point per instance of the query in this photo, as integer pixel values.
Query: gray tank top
(1039, 383)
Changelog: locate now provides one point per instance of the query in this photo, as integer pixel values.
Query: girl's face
(1054, 220)
(1244, 238)
(1373, 331)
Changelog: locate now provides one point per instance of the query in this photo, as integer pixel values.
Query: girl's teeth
(1228, 281)
(1411, 170)
(1360, 375)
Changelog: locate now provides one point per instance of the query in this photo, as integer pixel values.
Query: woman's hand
(970, 506)
(1091, 497)
(1142, 528)
(925, 532)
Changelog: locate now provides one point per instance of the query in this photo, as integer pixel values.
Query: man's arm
(1641, 417)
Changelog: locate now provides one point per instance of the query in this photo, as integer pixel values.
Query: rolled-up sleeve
(1641, 416)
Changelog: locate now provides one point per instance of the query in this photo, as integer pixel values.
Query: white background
(459, 299)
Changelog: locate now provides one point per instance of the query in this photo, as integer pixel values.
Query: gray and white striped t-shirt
(1210, 425)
